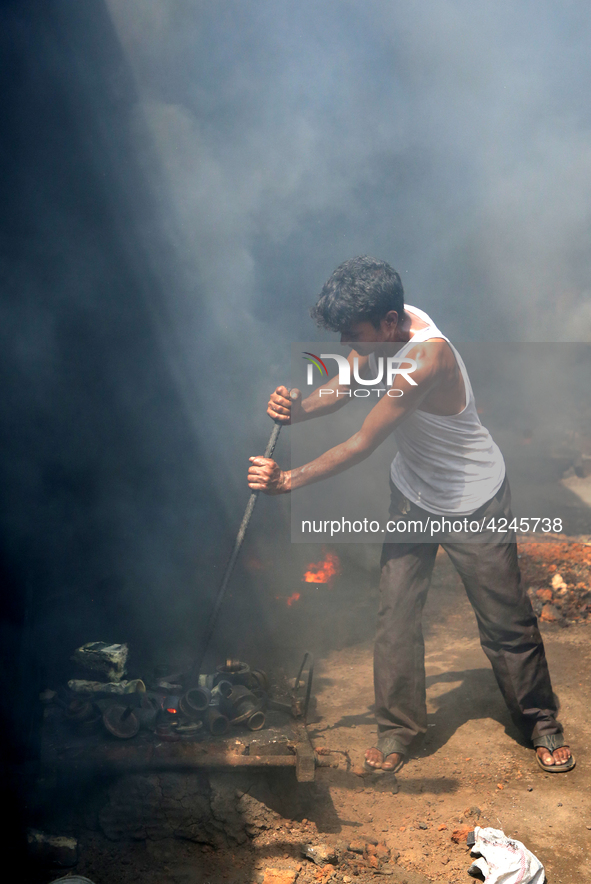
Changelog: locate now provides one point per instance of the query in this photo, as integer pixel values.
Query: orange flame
(289, 600)
(324, 571)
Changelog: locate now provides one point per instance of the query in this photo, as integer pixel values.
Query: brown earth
(470, 769)
(558, 577)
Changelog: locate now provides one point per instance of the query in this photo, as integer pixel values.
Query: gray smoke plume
(451, 140)
(218, 161)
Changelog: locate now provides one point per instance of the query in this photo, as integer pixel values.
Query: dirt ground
(470, 769)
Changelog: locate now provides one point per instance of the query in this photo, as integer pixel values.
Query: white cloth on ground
(505, 861)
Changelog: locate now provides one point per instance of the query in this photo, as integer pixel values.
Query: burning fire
(289, 600)
(318, 572)
(324, 571)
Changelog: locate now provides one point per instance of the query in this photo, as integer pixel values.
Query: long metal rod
(138, 765)
(195, 671)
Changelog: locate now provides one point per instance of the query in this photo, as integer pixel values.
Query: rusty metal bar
(203, 762)
(124, 759)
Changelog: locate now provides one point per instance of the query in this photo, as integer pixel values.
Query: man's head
(363, 300)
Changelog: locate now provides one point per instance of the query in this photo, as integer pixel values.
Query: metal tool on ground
(298, 707)
(196, 669)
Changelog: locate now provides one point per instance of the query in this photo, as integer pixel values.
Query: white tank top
(446, 464)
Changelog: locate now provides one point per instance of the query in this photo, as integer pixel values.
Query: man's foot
(374, 760)
(558, 761)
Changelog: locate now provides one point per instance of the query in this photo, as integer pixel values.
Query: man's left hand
(266, 476)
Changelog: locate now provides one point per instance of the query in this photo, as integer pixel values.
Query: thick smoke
(451, 140)
(200, 168)
(179, 179)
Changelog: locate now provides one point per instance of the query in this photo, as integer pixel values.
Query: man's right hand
(285, 406)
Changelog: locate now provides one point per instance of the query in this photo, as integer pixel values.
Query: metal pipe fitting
(216, 722)
(195, 701)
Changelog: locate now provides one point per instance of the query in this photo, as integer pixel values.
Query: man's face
(365, 338)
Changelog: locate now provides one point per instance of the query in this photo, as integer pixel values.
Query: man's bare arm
(265, 475)
(283, 410)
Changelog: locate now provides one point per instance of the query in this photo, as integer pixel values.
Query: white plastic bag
(503, 860)
(72, 879)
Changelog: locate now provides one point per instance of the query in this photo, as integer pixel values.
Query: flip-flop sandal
(556, 768)
(380, 770)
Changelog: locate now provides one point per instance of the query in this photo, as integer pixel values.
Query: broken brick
(279, 876)
(550, 614)
(460, 834)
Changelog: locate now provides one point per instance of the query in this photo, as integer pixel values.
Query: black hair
(360, 289)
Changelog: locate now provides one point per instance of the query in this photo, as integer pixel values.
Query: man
(447, 465)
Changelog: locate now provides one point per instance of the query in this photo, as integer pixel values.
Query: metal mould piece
(147, 712)
(195, 701)
(165, 733)
(168, 686)
(83, 717)
(217, 723)
(170, 706)
(121, 722)
(78, 710)
(207, 681)
(236, 666)
(241, 704)
(234, 671)
(222, 689)
(190, 730)
(260, 680)
(256, 722)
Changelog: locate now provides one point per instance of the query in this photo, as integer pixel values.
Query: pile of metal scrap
(165, 704)
(173, 721)
(232, 695)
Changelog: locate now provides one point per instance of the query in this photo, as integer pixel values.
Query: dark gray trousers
(508, 628)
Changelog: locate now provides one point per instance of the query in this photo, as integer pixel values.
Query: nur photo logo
(387, 369)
